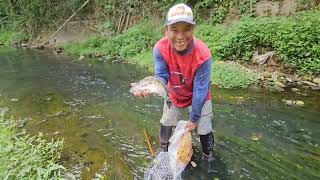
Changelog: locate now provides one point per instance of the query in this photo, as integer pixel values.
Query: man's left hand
(190, 126)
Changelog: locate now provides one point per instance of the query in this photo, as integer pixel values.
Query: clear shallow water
(88, 104)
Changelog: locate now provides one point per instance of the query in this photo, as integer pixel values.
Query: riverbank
(240, 52)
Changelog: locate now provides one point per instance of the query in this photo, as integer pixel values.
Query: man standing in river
(183, 62)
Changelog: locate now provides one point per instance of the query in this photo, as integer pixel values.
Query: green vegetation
(212, 36)
(26, 157)
(143, 60)
(32, 16)
(231, 75)
(37, 14)
(295, 40)
(6, 37)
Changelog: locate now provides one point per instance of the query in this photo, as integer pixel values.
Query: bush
(27, 157)
(295, 40)
(211, 35)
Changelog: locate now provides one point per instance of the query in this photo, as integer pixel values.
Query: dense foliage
(295, 40)
(32, 16)
(26, 157)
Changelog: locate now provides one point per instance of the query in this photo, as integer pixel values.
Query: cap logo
(180, 12)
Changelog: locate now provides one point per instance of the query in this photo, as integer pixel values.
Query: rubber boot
(207, 142)
(165, 134)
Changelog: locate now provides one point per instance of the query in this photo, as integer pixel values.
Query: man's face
(180, 35)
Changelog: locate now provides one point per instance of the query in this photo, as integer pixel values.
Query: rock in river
(280, 84)
(295, 90)
(294, 103)
(316, 80)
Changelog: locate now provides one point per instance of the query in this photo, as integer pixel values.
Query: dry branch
(83, 5)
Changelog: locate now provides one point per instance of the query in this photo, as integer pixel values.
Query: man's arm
(201, 85)
(161, 66)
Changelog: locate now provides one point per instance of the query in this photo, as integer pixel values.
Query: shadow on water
(88, 104)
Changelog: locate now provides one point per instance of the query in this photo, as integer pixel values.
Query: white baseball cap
(180, 12)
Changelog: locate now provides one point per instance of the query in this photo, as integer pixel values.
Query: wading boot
(207, 142)
(165, 134)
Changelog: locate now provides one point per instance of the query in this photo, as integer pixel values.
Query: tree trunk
(128, 20)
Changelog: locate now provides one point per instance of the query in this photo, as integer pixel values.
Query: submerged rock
(14, 100)
(81, 58)
(4, 110)
(254, 88)
(275, 88)
(294, 103)
(56, 133)
(255, 137)
(49, 98)
(295, 90)
(315, 88)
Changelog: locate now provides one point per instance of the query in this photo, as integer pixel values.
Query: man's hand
(190, 126)
(142, 94)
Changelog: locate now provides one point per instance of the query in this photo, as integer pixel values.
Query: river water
(88, 104)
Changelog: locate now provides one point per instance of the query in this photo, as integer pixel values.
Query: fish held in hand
(151, 85)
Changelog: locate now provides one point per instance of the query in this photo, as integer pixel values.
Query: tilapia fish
(152, 85)
(185, 150)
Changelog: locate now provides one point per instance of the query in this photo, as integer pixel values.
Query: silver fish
(150, 84)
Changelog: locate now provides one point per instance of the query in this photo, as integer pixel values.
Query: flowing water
(89, 105)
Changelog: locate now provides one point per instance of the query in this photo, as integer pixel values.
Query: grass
(7, 37)
(143, 60)
(232, 75)
(27, 157)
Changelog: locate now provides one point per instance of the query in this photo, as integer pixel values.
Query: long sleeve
(201, 85)
(161, 67)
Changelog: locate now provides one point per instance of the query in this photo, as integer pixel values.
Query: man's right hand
(141, 94)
